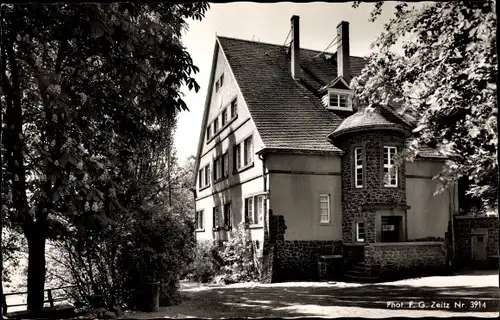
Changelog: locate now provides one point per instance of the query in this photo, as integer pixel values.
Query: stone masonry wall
(373, 191)
(294, 260)
(399, 260)
(463, 228)
(298, 260)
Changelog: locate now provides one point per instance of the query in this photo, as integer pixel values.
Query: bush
(234, 262)
(206, 264)
(238, 254)
(114, 267)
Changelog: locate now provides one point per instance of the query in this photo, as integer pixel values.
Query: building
(283, 149)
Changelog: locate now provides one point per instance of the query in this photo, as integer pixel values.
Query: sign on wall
(388, 227)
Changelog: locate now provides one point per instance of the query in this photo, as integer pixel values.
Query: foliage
(12, 246)
(235, 260)
(446, 82)
(238, 255)
(128, 257)
(182, 191)
(89, 95)
(206, 263)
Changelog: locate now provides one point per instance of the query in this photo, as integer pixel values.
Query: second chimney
(343, 65)
(295, 48)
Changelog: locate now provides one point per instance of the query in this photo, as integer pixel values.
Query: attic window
(338, 100)
(219, 83)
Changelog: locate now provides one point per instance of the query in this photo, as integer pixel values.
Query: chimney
(295, 46)
(343, 65)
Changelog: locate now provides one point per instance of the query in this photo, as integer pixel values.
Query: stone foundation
(298, 260)
(405, 259)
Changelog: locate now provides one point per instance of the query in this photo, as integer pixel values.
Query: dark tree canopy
(88, 92)
(446, 81)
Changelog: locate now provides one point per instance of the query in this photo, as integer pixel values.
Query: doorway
(479, 247)
(391, 227)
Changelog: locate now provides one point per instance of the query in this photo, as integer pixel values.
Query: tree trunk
(36, 269)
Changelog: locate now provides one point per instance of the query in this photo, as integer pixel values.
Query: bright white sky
(267, 22)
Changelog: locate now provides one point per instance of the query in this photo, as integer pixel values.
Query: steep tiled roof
(288, 114)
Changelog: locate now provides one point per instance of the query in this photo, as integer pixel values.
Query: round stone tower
(373, 185)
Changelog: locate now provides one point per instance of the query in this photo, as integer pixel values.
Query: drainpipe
(266, 189)
(261, 158)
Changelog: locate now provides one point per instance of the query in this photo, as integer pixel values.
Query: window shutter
(216, 217)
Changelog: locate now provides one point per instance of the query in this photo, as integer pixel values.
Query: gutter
(298, 151)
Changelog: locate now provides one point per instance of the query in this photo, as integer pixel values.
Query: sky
(270, 23)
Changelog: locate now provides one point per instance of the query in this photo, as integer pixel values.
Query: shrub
(235, 261)
(115, 267)
(206, 264)
(238, 253)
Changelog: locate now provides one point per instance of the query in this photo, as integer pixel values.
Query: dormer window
(337, 99)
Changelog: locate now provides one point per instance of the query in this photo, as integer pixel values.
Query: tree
(446, 82)
(182, 190)
(88, 91)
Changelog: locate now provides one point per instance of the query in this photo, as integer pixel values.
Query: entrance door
(390, 228)
(479, 248)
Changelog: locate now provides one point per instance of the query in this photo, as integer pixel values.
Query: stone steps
(358, 273)
(357, 278)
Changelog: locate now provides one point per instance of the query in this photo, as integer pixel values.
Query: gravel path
(472, 294)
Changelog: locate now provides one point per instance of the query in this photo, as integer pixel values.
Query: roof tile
(286, 112)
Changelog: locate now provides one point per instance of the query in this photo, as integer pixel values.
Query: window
(234, 108)
(225, 164)
(324, 208)
(255, 207)
(215, 218)
(217, 169)
(390, 168)
(207, 175)
(224, 117)
(219, 83)
(209, 132)
(199, 220)
(237, 157)
(227, 215)
(249, 210)
(216, 125)
(248, 158)
(358, 167)
(204, 176)
(360, 232)
(339, 100)
(221, 167)
(245, 158)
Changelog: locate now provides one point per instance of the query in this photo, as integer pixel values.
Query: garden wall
(404, 259)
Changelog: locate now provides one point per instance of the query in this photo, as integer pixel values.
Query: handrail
(25, 292)
(50, 299)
